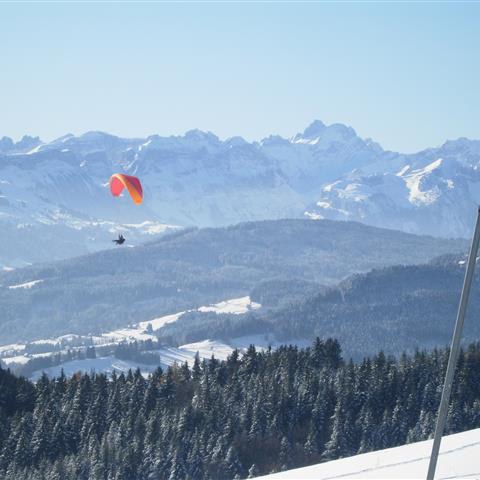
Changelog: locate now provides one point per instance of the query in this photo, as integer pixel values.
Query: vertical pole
(454, 349)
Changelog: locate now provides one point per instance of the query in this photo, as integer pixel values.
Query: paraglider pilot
(119, 240)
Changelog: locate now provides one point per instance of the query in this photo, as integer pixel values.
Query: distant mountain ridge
(194, 267)
(435, 191)
(54, 201)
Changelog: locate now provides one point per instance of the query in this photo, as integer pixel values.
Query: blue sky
(404, 74)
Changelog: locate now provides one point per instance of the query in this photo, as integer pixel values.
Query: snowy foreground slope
(459, 458)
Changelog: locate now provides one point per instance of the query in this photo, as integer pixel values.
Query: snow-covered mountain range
(54, 200)
(435, 191)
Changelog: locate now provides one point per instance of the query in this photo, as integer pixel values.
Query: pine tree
(253, 471)
(225, 423)
(285, 457)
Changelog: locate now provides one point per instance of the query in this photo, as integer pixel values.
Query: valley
(109, 290)
(101, 354)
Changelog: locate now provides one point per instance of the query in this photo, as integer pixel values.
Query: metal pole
(454, 349)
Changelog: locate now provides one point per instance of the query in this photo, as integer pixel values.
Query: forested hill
(195, 267)
(251, 415)
(397, 308)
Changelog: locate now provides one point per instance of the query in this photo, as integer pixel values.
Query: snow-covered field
(138, 332)
(459, 458)
(14, 355)
(236, 306)
(109, 364)
(168, 356)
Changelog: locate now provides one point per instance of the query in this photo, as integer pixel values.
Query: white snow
(17, 360)
(414, 183)
(403, 171)
(138, 332)
(104, 364)
(192, 190)
(305, 141)
(313, 216)
(14, 347)
(459, 458)
(47, 341)
(123, 334)
(143, 145)
(35, 149)
(221, 350)
(329, 187)
(198, 190)
(323, 204)
(207, 348)
(149, 227)
(159, 322)
(169, 355)
(433, 166)
(25, 285)
(236, 306)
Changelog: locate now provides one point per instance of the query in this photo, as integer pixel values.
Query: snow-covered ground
(16, 360)
(25, 285)
(236, 306)
(108, 364)
(13, 347)
(15, 355)
(459, 458)
(168, 356)
(159, 322)
(138, 332)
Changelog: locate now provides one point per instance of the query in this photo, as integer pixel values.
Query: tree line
(261, 412)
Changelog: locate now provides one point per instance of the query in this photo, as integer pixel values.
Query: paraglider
(119, 181)
(120, 240)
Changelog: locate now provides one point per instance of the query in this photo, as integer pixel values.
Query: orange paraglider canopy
(119, 181)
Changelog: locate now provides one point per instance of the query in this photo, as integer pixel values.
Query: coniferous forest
(250, 415)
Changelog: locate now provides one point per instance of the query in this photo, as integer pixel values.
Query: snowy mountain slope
(55, 194)
(57, 191)
(435, 191)
(458, 458)
(51, 207)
